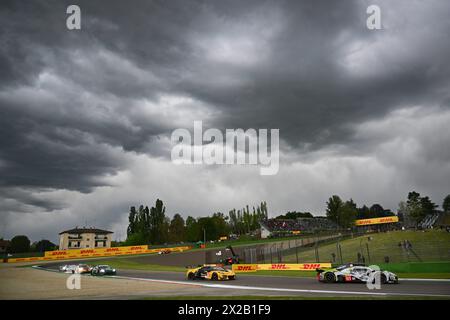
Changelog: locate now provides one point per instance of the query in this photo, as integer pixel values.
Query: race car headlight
(102, 270)
(114, 270)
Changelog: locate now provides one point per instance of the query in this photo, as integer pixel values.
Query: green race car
(102, 270)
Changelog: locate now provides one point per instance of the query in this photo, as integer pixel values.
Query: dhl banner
(244, 267)
(365, 222)
(99, 252)
(279, 266)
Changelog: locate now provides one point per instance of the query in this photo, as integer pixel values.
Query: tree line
(416, 208)
(22, 244)
(151, 225)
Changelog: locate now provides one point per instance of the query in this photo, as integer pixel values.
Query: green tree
(221, 225)
(177, 229)
(44, 245)
(376, 211)
(427, 205)
(132, 221)
(334, 204)
(193, 232)
(446, 204)
(347, 214)
(19, 244)
(158, 224)
(402, 212)
(136, 239)
(414, 206)
(363, 212)
(292, 215)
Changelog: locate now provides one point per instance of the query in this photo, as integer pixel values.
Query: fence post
(368, 252)
(296, 253)
(271, 261)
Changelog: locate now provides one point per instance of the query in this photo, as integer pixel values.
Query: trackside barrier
(97, 251)
(365, 222)
(100, 252)
(279, 267)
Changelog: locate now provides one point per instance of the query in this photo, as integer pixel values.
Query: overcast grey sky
(86, 115)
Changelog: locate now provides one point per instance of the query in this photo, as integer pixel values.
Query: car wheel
(191, 276)
(383, 278)
(330, 277)
(214, 277)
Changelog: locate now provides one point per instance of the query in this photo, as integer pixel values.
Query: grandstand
(283, 227)
(429, 221)
(437, 219)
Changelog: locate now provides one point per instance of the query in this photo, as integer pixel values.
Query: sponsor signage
(99, 252)
(244, 267)
(89, 252)
(365, 222)
(279, 266)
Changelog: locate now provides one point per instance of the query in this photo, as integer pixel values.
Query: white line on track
(225, 286)
(432, 280)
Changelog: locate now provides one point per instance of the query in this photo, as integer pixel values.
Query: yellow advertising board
(99, 252)
(365, 222)
(280, 266)
(244, 267)
(293, 266)
(87, 252)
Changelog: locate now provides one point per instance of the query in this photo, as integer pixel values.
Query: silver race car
(355, 273)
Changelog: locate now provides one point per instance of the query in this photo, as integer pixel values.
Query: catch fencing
(345, 248)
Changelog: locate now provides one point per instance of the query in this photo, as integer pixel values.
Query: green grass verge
(428, 246)
(415, 267)
(424, 275)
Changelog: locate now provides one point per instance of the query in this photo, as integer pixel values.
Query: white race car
(355, 273)
(68, 268)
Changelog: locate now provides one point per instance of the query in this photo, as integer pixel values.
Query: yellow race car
(210, 272)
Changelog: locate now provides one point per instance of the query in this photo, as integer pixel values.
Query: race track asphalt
(282, 285)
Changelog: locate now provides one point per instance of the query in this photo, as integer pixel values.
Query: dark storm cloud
(71, 101)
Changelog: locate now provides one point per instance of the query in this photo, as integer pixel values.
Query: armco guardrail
(279, 267)
(91, 253)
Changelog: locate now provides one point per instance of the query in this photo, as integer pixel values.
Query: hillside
(426, 246)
